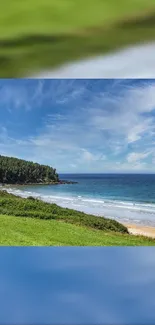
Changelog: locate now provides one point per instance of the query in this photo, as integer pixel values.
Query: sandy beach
(141, 230)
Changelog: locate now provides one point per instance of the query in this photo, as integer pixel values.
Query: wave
(123, 211)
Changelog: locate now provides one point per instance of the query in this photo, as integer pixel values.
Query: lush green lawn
(33, 222)
(64, 16)
(16, 231)
(37, 34)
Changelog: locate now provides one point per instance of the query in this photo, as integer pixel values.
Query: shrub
(34, 208)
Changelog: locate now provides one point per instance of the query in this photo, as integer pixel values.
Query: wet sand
(141, 230)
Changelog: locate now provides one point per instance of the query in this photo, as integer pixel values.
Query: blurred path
(132, 62)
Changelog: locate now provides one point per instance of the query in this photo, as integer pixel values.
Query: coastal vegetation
(34, 222)
(18, 171)
(34, 208)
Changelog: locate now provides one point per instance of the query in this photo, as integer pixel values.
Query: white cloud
(137, 131)
(134, 157)
(98, 127)
(91, 157)
(12, 97)
(126, 117)
(29, 94)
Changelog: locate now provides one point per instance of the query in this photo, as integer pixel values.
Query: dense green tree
(18, 171)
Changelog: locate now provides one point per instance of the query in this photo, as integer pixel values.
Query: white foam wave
(120, 210)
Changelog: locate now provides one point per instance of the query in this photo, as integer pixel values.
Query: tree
(18, 171)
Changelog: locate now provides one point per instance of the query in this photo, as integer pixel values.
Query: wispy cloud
(134, 157)
(84, 125)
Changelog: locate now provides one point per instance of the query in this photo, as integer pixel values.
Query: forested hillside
(18, 171)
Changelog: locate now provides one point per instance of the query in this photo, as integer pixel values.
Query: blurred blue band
(111, 285)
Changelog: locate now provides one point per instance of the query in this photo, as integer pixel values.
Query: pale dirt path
(132, 62)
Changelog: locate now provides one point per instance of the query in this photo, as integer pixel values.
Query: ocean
(126, 198)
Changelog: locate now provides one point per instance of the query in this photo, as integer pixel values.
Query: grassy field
(35, 223)
(39, 34)
(15, 231)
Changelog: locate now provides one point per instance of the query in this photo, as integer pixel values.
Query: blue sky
(73, 285)
(80, 125)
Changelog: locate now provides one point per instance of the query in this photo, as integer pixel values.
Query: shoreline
(139, 230)
(61, 182)
(133, 228)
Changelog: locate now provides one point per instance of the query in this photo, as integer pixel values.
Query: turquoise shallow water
(127, 198)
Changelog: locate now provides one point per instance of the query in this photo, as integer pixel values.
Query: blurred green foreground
(37, 35)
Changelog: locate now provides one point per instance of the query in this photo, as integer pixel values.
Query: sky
(83, 285)
(80, 126)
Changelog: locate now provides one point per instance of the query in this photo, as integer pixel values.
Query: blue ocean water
(124, 197)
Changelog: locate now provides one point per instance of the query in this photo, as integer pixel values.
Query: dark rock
(67, 182)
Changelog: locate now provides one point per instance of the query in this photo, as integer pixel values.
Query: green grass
(42, 34)
(28, 222)
(33, 208)
(31, 17)
(15, 231)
